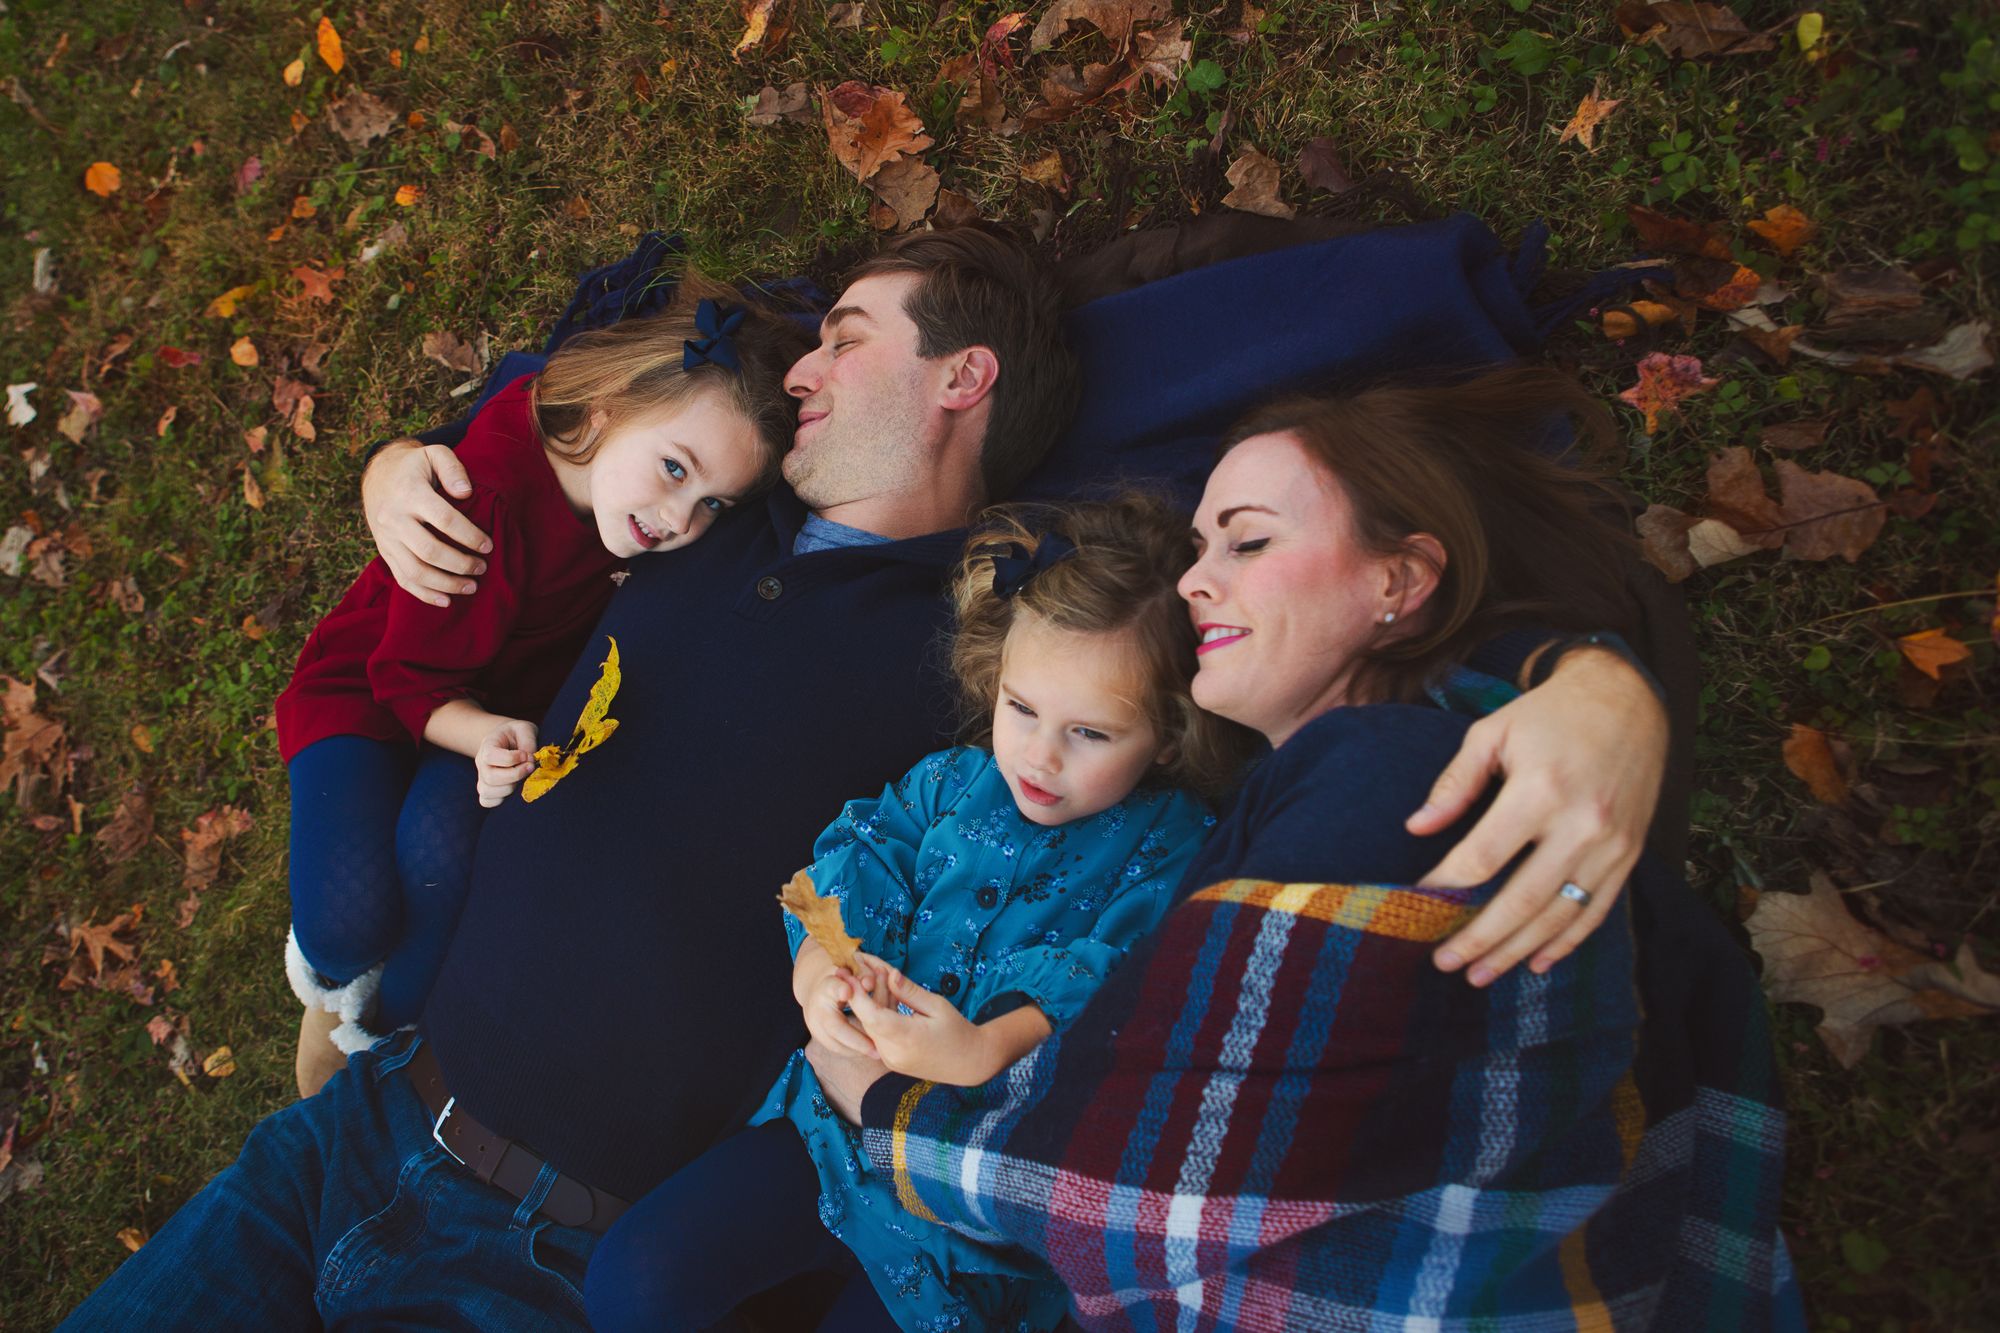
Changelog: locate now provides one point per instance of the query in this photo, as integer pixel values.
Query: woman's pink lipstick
(1218, 643)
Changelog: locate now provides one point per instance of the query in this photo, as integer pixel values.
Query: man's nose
(803, 377)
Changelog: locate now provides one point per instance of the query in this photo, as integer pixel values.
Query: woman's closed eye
(1251, 547)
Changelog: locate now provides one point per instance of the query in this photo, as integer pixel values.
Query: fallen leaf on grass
(33, 748)
(1663, 540)
(593, 727)
(451, 351)
(1677, 236)
(904, 191)
(1114, 18)
(130, 829)
(86, 946)
(1736, 496)
(1692, 30)
(793, 104)
(1785, 229)
(1826, 514)
(1590, 113)
(361, 118)
(202, 849)
(102, 179)
(1650, 315)
(765, 24)
(176, 359)
(480, 140)
(318, 282)
(1931, 651)
(84, 411)
(295, 73)
(1810, 756)
(1254, 181)
(166, 421)
(509, 140)
(1717, 284)
(19, 410)
(248, 174)
(847, 15)
(821, 918)
(220, 1063)
(131, 1238)
(253, 494)
(243, 351)
(1664, 383)
(1320, 167)
(328, 41)
(869, 126)
(224, 306)
(408, 195)
(1815, 952)
(160, 1028)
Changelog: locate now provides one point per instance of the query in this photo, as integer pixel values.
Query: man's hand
(410, 521)
(844, 1078)
(504, 757)
(1583, 757)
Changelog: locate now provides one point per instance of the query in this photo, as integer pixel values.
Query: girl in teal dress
(993, 887)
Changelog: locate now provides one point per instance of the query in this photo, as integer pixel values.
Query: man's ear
(971, 376)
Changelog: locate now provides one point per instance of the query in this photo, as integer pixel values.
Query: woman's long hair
(1526, 537)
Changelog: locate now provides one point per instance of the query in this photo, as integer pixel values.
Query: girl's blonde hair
(1130, 554)
(635, 367)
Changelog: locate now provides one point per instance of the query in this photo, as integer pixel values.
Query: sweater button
(768, 588)
(948, 985)
(988, 896)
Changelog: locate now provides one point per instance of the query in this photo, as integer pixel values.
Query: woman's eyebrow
(1222, 519)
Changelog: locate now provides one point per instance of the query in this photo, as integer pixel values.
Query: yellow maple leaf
(1590, 113)
(102, 179)
(224, 306)
(554, 762)
(821, 918)
(329, 46)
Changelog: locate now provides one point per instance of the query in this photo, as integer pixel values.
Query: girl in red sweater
(403, 719)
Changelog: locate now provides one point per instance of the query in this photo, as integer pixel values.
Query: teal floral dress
(943, 877)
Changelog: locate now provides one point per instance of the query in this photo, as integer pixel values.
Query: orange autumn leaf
(1931, 651)
(224, 306)
(318, 283)
(762, 23)
(1811, 758)
(407, 195)
(821, 918)
(243, 352)
(1785, 228)
(1664, 381)
(1590, 113)
(396, 58)
(594, 726)
(295, 73)
(303, 207)
(1739, 290)
(102, 179)
(868, 126)
(329, 46)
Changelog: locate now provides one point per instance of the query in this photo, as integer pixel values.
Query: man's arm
(415, 527)
(1583, 755)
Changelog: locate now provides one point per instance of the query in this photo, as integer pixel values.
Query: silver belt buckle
(437, 1130)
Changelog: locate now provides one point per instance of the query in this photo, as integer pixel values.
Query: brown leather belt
(503, 1162)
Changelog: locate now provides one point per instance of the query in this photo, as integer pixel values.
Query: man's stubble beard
(856, 461)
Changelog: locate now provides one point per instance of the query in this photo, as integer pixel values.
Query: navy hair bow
(1014, 567)
(716, 324)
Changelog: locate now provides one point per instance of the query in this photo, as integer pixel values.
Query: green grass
(1891, 1196)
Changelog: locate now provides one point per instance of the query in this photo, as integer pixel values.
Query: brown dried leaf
(131, 1238)
(1784, 229)
(1321, 168)
(954, 209)
(1826, 514)
(904, 191)
(1931, 651)
(1676, 236)
(869, 126)
(1590, 113)
(1254, 181)
(33, 749)
(1810, 756)
(821, 918)
(793, 104)
(318, 282)
(84, 411)
(361, 118)
(1736, 496)
(203, 845)
(1113, 18)
(1816, 953)
(1795, 435)
(97, 941)
(451, 351)
(129, 830)
(1663, 540)
(766, 23)
(1692, 30)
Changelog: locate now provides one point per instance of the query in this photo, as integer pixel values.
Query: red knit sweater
(381, 661)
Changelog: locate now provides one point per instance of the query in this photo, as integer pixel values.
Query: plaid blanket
(1283, 1117)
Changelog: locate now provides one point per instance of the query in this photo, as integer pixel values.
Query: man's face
(865, 399)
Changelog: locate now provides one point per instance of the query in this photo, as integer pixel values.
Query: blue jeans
(343, 1211)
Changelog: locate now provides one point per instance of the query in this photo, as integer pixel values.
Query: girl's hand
(934, 1041)
(414, 526)
(823, 1008)
(504, 757)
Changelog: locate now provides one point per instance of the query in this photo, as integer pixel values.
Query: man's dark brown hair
(981, 288)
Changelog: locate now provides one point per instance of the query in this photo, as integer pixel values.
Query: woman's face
(1284, 597)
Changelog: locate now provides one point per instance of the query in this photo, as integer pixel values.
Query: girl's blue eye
(1091, 734)
(1020, 708)
(715, 505)
(674, 469)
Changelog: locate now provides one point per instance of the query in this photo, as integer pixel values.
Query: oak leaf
(1590, 113)
(868, 126)
(1815, 952)
(593, 727)
(1254, 181)
(821, 918)
(318, 282)
(361, 118)
(1811, 757)
(96, 942)
(1931, 651)
(1664, 382)
(1785, 229)
(328, 40)
(102, 179)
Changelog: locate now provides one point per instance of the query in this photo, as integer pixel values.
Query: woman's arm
(1583, 757)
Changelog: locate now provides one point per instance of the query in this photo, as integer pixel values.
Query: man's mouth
(807, 418)
(642, 534)
(1215, 636)
(1039, 795)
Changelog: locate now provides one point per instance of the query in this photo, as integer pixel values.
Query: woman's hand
(414, 526)
(934, 1041)
(843, 1078)
(1583, 756)
(505, 755)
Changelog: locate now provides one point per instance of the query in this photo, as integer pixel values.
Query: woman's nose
(1195, 583)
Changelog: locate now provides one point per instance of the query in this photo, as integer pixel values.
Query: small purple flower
(1824, 151)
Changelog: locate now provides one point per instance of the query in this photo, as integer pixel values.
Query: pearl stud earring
(1388, 617)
